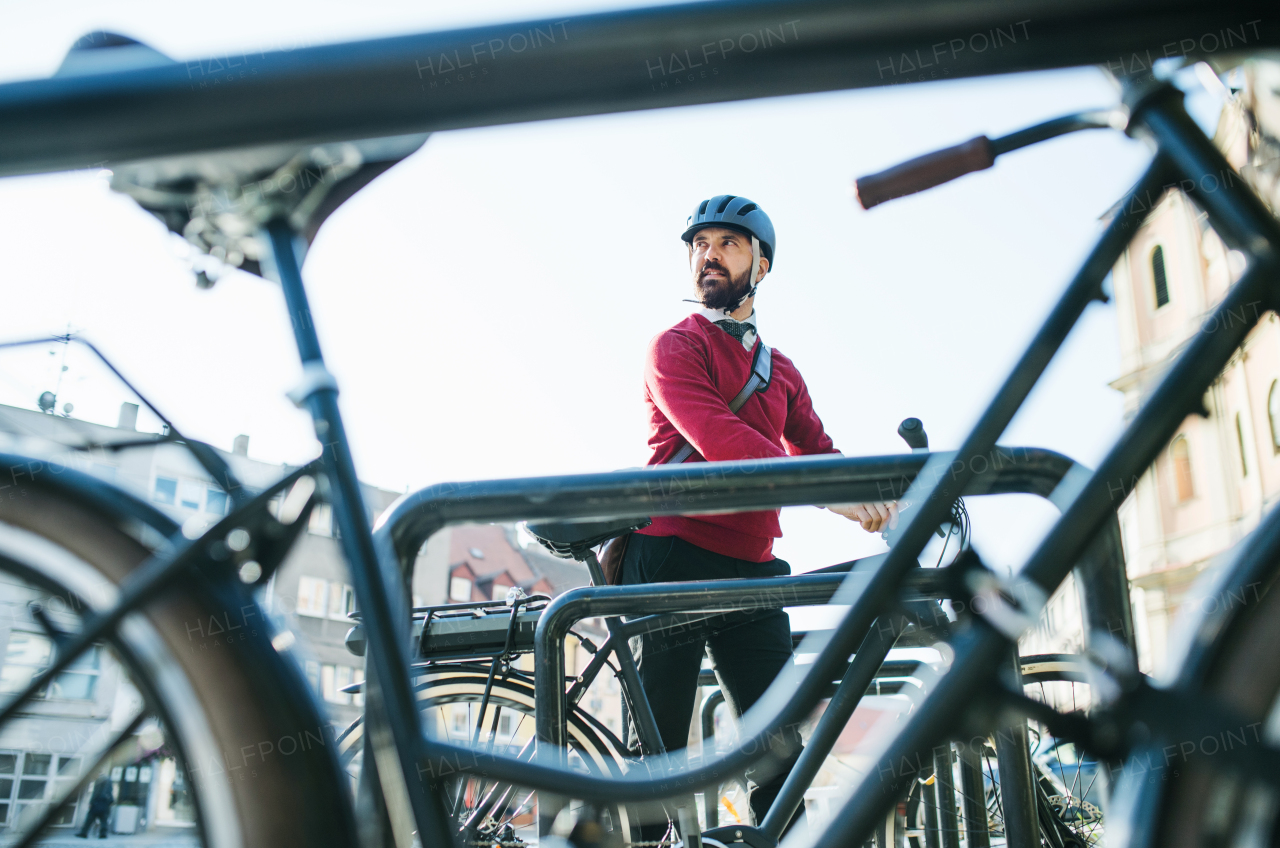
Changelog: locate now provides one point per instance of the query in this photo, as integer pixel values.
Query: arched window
(1273, 414)
(1244, 462)
(1182, 469)
(1157, 274)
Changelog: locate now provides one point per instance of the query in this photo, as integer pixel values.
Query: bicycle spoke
(491, 801)
(1092, 781)
(489, 805)
(528, 800)
(996, 795)
(459, 798)
(1075, 781)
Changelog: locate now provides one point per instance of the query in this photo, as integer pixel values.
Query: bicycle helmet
(735, 213)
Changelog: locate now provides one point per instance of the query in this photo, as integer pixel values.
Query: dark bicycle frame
(369, 89)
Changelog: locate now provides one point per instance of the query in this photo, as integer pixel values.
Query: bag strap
(758, 381)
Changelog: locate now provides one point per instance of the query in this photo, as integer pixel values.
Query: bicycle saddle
(219, 200)
(572, 539)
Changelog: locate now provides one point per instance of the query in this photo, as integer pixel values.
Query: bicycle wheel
(1188, 793)
(1069, 787)
(242, 749)
(1071, 784)
(449, 701)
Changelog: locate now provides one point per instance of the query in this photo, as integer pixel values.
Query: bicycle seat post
(589, 559)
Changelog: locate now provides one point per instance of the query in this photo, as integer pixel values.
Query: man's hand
(872, 516)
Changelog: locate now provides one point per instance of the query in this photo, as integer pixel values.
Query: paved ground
(162, 839)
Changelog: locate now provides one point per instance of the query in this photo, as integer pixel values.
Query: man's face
(720, 260)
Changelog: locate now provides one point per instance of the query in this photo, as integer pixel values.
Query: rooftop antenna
(49, 400)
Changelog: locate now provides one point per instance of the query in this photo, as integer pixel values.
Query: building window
(313, 594)
(1273, 415)
(1182, 469)
(357, 676)
(459, 589)
(8, 768)
(1157, 274)
(66, 776)
(216, 502)
(342, 601)
(327, 682)
(28, 654)
(461, 720)
(325, 599)
(25, 782)
(166, 490)
(34, 780)
(313, 675)
(321, 521)
(190, 494)
(79, 680)
(1244, 462)
(332, 680)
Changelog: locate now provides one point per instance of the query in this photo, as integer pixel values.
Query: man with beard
(692, 373)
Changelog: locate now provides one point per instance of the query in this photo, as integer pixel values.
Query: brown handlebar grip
(932, 169)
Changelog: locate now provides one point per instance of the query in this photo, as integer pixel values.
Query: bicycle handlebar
(912, 432)
(925, 172)
(976, 154)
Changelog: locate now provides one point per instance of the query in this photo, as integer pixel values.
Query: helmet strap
(755, 269)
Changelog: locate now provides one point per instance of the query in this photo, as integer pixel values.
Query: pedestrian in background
(99, 806)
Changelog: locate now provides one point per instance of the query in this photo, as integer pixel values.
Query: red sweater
(691, 373)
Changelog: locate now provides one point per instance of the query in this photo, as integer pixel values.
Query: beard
(722, 294)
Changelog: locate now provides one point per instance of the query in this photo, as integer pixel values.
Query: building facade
(1221, 472)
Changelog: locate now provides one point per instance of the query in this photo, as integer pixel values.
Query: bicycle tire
(69, 535)
(1195, 796)
(591, 747)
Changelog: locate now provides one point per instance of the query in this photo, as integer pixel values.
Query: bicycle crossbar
(656, 57)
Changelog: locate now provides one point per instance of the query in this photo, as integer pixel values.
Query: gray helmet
(735, 213)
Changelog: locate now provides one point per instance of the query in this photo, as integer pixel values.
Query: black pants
(101, 816)
(748, 650)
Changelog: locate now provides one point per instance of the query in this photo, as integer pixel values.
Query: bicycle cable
(958, 526)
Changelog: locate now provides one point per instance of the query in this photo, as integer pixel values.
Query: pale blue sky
(485, 304)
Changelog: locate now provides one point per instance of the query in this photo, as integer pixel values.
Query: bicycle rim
(449, 703)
